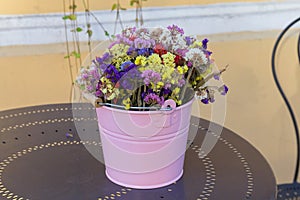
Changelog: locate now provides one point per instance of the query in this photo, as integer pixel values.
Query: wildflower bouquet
(144, 67)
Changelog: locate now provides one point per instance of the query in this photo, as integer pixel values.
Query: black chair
(289, 191)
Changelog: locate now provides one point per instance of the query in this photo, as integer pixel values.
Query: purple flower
(140, 43)
(175, 28)
(153, 98)
(181, 82)
(217, 77)
(113, 44)
(208, 53)
(104, 66)
(98, 92)
(182, 52)
(95, 74)
(126, 66)
(124, 40)
(165, 92)
(85, 76)
(188, 40)
(112, 73)
(128, 80)
(90, 88)
(145, 51)
(102, 62)
(204, 43)
(211, 99)
(150, 76)
(223, 90)
(121, 39)
(167, 85)
(131, 52)
(205, 100)
(144, 94)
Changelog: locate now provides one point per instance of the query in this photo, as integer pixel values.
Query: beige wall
(43, 6)
(34, 75)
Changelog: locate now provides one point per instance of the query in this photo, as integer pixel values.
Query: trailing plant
(71, 24)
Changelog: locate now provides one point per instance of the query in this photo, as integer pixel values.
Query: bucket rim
(188, 103)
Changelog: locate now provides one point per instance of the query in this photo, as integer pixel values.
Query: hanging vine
(71, 25)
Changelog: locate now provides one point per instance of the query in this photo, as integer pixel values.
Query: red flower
(159, 49)
(132, 38)
(179, 60)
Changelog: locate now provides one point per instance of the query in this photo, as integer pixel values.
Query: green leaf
(114, 6)
(72, 7)
(106, 33)
(78, 29)
(88, 25)
(133, 2)
(67, 56)
(122, 8)
(76, 54)
(82, 87)
(72, 17)
(65, 17)
(89, 32)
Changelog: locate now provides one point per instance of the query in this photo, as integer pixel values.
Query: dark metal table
(43, 158)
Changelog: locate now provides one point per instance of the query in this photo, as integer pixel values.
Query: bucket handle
(100, 103)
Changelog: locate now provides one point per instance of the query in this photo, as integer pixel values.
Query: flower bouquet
(143, 87)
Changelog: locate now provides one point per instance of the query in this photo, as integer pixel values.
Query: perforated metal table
(43, 158)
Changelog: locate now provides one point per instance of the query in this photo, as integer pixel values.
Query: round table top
(43, 157)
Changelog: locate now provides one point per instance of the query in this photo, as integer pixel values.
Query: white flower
(197, 54)
(178, 42)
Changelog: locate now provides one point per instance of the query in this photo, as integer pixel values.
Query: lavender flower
(121, 39)
(140, 43)
(188, 40)
(132, 52)
(153, 99)
(217, 77)
(130, 79)
(174, 28)
(150, 77)
(181, 82)
(84, 76)
(103, 62)
(98, 92)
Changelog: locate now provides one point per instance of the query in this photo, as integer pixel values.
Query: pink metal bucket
(144, 149)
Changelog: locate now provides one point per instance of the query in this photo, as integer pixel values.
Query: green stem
(139, 97)
(99, 23)
(87, 20)
(212, 75)
(67, 43)
(187, 83)
(118, 17)
(141, 13)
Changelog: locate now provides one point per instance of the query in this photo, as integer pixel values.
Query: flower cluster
(145, 67)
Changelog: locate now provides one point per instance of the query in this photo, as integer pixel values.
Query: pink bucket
(144, 149)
